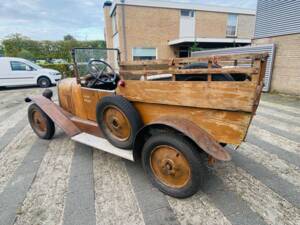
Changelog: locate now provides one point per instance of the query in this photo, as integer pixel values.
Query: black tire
(44, 82)
(190, 152)
(133, 120)
(49, 127)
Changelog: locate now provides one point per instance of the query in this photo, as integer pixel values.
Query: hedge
(64, 69)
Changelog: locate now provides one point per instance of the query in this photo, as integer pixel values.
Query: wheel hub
(39, 122)
(170, 166)
(117, 123)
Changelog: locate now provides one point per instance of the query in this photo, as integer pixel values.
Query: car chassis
(171, 125)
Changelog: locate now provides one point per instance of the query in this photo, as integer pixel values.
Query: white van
(21, 72)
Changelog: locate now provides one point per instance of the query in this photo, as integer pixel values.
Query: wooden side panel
(224, 126)
(65, 94)
(90, 99)
(87, 126)
(78, 105)
(233, 96)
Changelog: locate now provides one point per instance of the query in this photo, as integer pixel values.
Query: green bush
(64, 69)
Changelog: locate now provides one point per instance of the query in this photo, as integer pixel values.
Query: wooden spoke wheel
(41, 124)
(117, 123)
(170, 166)
(173, 164)
(118, 120)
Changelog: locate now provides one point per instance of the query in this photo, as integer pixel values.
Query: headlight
(54, 73)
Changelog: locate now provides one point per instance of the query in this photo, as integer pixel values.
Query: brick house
(278, 22)
(156, 29)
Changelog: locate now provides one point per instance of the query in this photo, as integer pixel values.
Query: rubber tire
(40, 82)
(192, 155)
(129, 111)
(50, 127)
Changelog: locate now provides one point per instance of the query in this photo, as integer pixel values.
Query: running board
(103, 145)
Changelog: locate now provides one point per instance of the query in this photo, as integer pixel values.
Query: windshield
(82, 56)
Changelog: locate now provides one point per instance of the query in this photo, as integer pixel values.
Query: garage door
(270, 48)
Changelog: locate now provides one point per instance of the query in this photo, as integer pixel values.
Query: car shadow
(22, 88)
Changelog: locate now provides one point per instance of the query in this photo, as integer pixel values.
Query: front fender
(57, 114)
(198, 135)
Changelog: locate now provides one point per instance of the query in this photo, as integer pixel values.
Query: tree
(17, 45)
(25, 54)
(69, 37)
(1, 50)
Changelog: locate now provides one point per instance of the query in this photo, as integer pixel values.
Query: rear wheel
(44, 82)
(173, 164)
(41, 124)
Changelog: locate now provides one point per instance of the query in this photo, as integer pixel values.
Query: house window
(144, 53)
(231, 30)
(114, 23)
(187, 13)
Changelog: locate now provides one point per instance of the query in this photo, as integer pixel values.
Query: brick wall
(246, 26)
(286, 70)
(151, 27)
(108, 34)
(211, 24)
(214, 24)
(154, 27)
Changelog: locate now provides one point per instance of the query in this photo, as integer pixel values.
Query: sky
(83, 19)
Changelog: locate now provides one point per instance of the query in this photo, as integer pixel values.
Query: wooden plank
(233, 96)
(231, 70)
(78, 104)
(90, 99)
(197, 59)
(224, 126)
(103, 145)
(87, 126)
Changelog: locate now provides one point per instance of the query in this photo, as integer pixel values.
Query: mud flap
(204, 140)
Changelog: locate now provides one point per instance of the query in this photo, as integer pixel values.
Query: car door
(21, 73)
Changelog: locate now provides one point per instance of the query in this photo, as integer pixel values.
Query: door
(90, 98)
(187, 24)
(21, 73)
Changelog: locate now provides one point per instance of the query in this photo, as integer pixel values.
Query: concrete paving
(62, 182)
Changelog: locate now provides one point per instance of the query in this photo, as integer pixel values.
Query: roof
(13, 58)
(181, 5)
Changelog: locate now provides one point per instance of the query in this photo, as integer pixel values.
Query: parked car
(21, 72)
(172, 125)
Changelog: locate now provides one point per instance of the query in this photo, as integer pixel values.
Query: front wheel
(41, 124)
(44, 82)
(173, 164)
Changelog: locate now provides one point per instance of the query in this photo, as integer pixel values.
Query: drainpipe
(124, 29)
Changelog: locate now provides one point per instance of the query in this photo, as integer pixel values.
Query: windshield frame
(73, 53)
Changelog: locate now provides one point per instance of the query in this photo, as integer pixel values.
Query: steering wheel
(98, 71)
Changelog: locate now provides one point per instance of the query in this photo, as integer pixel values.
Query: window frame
(156, 53)
(12, 69)
(114, 23)
(236, 25)
(190, 14)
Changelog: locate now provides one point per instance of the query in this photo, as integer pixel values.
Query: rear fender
(58, 116)
(199, 136)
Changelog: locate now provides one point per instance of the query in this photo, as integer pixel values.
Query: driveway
(62, 182)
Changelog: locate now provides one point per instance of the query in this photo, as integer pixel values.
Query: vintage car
(171, 114)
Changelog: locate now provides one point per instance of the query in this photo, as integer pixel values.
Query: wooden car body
(167, 112)
(222, 109)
